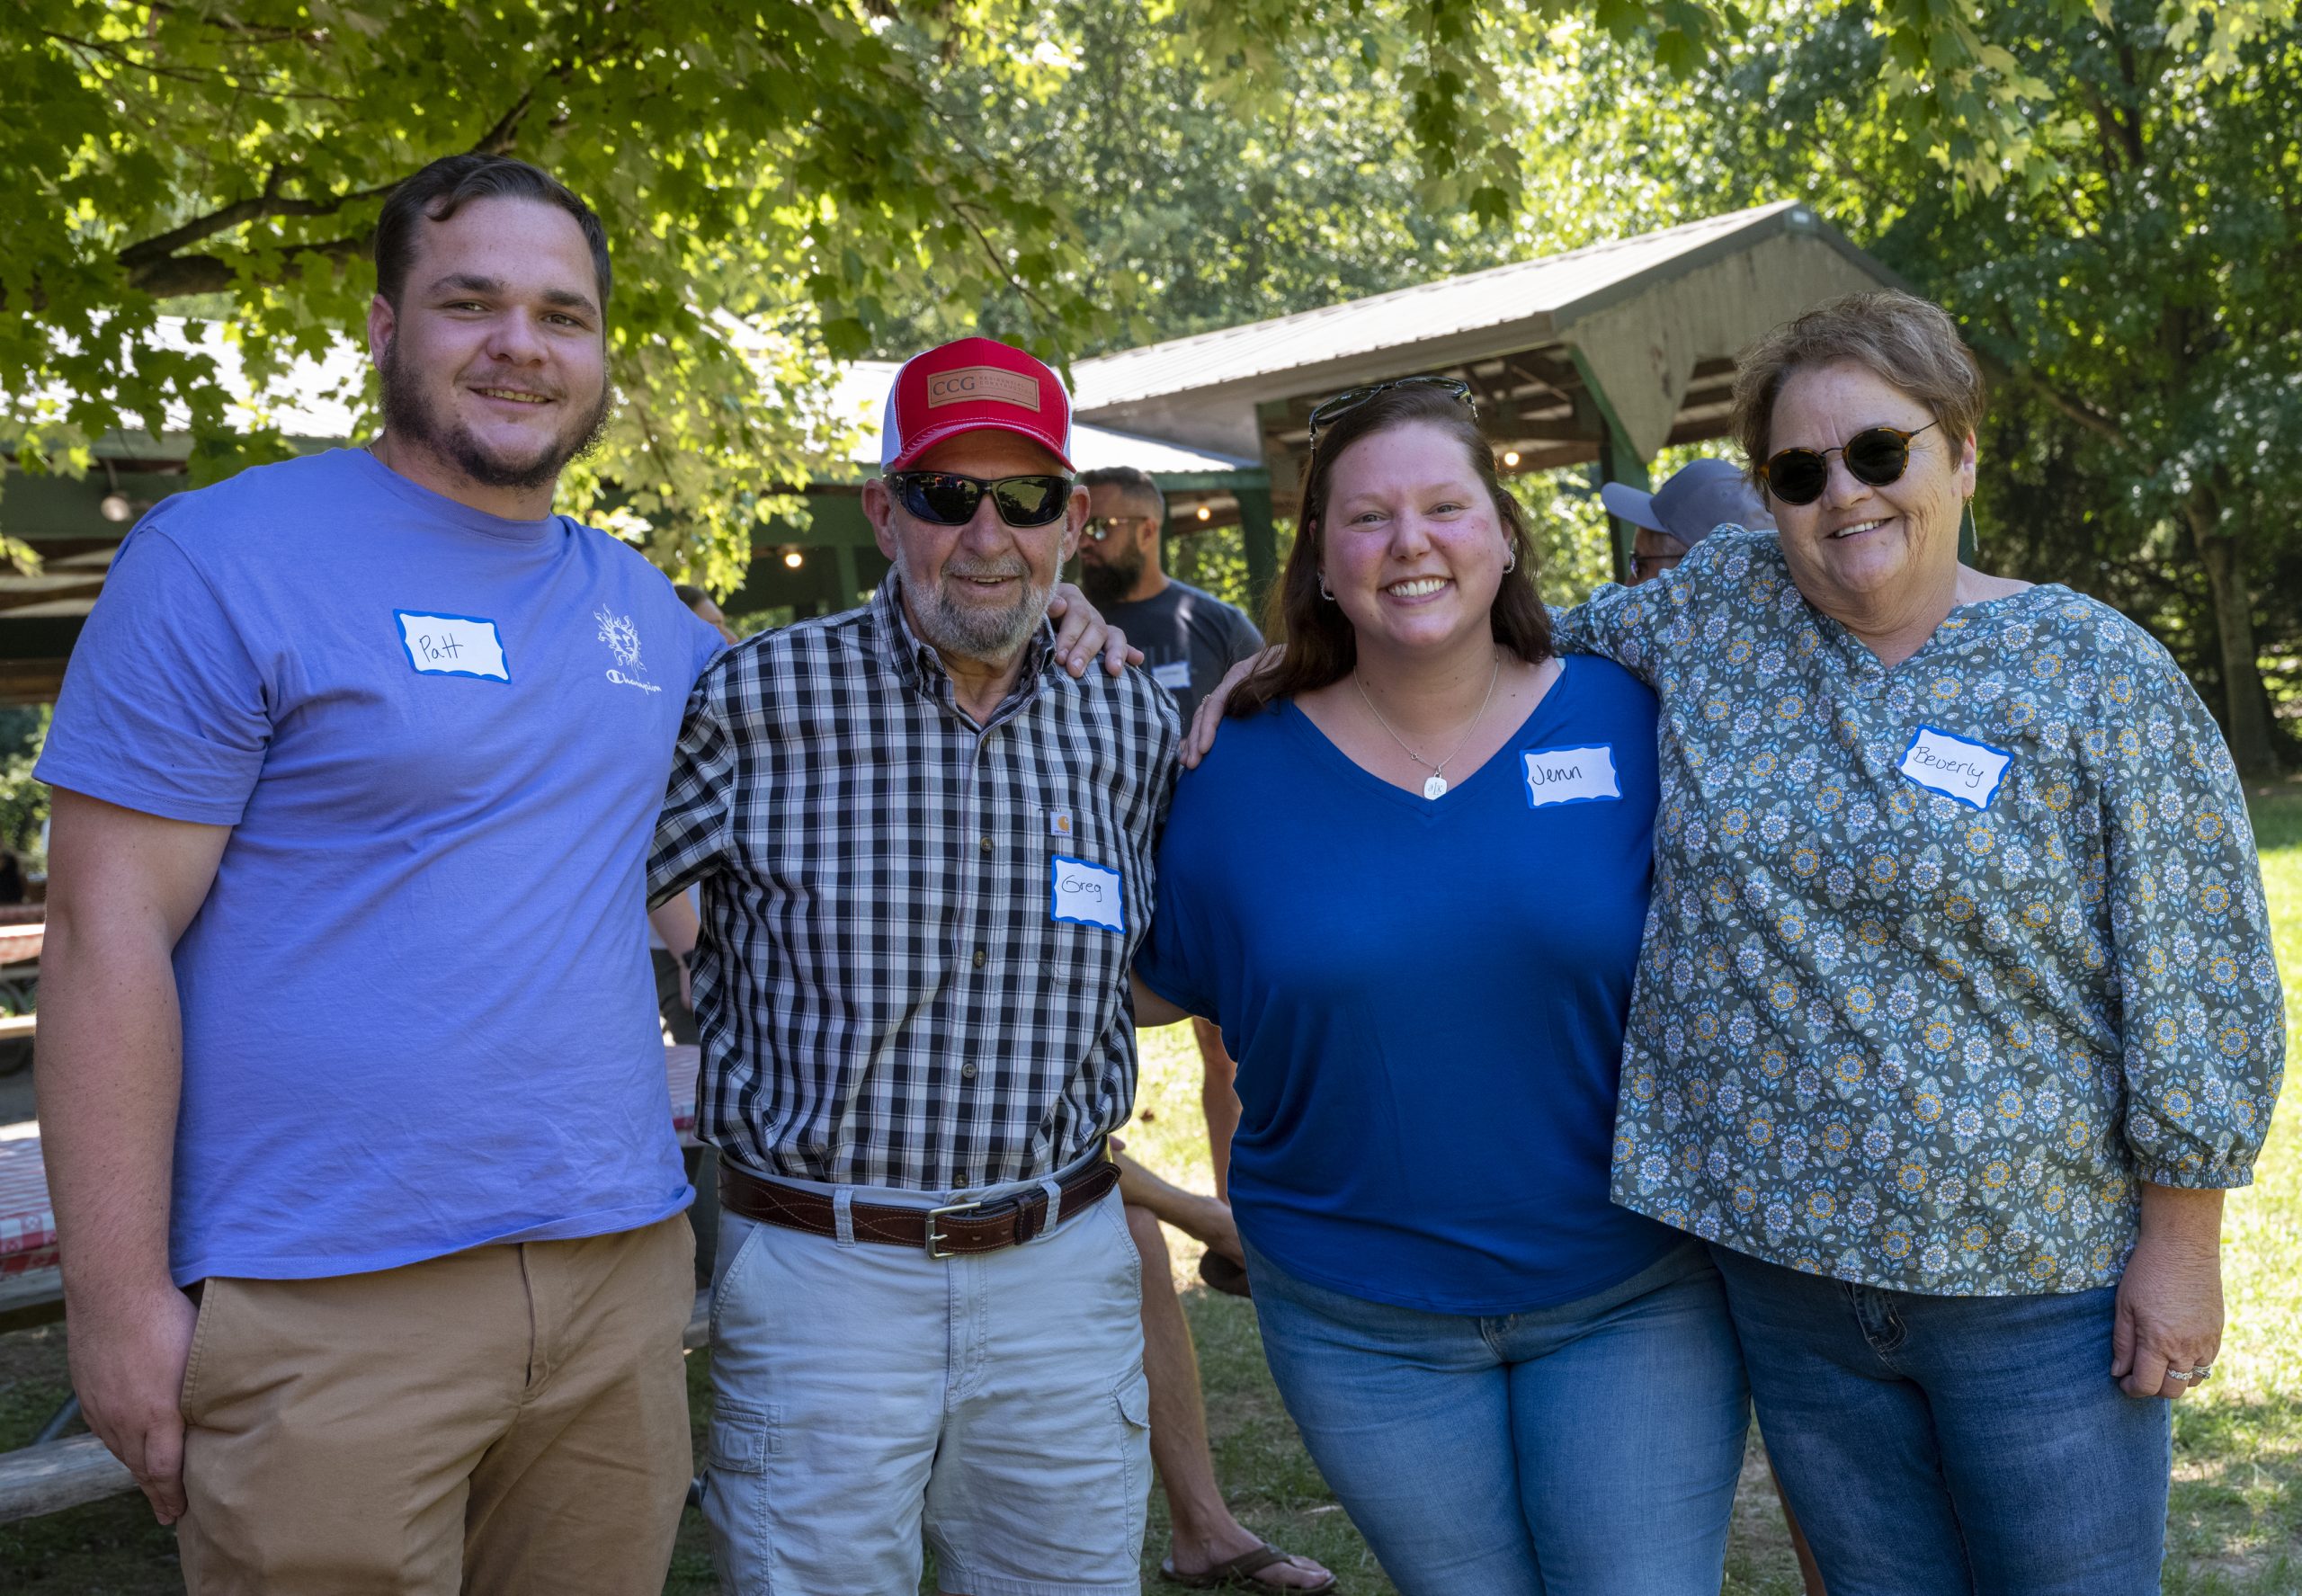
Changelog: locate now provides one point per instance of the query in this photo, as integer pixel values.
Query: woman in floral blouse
(1956, 1010)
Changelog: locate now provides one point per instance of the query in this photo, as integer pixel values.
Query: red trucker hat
(966, 386)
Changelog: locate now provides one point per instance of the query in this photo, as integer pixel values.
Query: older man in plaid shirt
(926, 853)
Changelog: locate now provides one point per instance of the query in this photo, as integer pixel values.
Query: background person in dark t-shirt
(1189, 638)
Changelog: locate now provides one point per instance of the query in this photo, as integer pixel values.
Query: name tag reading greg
(452, 644)
(1956, 767)
(1086, 894)
(1571, 775)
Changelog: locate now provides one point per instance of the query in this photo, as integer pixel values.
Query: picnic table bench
(51, 1476)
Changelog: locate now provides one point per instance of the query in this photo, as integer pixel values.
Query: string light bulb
(793, 558)
(1205, 513)
(1510, 459)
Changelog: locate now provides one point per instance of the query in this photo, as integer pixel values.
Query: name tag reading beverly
(452, 644)
(1956, 767)
(1571, 775)
(1086, 894)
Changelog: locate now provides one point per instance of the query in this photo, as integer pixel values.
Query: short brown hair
(445, 186)
(1321, 646)
(1905, 341)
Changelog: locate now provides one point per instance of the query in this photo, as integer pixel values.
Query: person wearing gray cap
(1699, 495)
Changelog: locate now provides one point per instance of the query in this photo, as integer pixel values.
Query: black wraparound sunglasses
(1328, 411)
(1876, 455)
(948, 499)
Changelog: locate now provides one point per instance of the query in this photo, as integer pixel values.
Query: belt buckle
(936, 1237)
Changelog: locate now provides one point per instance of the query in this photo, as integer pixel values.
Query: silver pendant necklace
(1434, 786)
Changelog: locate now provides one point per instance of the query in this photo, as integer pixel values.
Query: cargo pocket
(1133, 1400)
(735, 1495)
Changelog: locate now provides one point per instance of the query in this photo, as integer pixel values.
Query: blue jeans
(1587, 1449)
(1954, 1446)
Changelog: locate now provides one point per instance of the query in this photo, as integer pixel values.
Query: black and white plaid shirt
(905, 977)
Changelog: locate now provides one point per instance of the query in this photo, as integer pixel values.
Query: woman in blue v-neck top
(1412, 890)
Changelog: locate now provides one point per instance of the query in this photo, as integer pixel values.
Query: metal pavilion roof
(1726, 278)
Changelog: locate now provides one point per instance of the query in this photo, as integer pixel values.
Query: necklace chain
(1438, 771)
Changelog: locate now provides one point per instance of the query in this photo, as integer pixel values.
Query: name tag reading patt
(1086, 894)
(452, 644)
(1956, 767)
(1570, 775)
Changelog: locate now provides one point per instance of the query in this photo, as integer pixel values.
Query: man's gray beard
(970, 633)
(409, 416)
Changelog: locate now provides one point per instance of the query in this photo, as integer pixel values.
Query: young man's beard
(1109, 580)
(408, 415)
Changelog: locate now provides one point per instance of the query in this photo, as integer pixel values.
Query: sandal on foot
(1239, 1573)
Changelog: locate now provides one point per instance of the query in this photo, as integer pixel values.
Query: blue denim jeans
(1954, 1446)
(1587, 1449)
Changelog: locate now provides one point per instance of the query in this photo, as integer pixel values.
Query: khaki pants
(508, 1420)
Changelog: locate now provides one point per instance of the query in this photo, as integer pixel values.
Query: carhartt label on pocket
(1956, 767)
(1570, 775)
(1175, 677)
(1058, 823)
(452, 644)
(1086, 894)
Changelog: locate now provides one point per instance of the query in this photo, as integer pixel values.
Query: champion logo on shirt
(622, 639)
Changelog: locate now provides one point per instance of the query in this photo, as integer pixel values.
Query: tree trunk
(2246, 702)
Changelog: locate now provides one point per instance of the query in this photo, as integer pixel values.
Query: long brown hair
(1321, 646)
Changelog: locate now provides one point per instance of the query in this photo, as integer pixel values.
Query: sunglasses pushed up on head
(1328, 412)
(948, 499)
(1875, 455)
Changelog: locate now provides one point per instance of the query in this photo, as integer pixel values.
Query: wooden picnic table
(19, 944)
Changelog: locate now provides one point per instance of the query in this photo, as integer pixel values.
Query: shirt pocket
(1088, 909)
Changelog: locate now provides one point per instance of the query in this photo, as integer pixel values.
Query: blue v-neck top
(1426, 998)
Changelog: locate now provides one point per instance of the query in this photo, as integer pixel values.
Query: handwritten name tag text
(1570, 775)
(1956, 767)
(1086, 894)
(452, 644)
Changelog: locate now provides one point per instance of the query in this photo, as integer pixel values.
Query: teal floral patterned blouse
(1942, 959)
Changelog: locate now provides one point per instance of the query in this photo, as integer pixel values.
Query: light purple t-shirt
(418, 1012)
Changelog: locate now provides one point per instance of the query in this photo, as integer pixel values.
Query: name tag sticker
(1956, 767)
(1086, 894)
(452, 644)
(1571, 775)
(1175, 676)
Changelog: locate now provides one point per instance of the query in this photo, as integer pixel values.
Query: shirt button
(986, 844)
(978, 957)
(967, 1071)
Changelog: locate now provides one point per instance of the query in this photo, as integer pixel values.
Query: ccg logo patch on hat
(973, 385)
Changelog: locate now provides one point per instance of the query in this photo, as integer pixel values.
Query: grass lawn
(2237, 1499)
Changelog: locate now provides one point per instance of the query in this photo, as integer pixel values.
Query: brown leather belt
(946, 1231)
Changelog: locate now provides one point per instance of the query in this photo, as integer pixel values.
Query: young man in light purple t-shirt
(350, 1088)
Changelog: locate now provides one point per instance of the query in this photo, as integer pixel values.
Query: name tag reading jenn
(1956, 767)
(1571, 775)
(452, 644)
(1086, 894)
